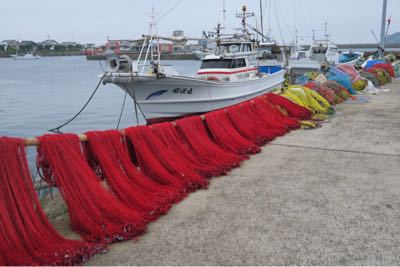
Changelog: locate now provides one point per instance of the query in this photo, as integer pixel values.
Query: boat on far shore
(27, 56)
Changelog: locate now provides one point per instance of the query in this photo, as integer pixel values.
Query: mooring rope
(122, 111)
(57, 129)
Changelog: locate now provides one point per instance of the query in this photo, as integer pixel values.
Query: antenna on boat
(223, 15)
(150, 45)
(244, 15)
(326, 31)
(218, 38)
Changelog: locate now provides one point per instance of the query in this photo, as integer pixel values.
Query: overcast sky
(349, 21)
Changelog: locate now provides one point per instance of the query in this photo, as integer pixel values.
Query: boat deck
(329, 196)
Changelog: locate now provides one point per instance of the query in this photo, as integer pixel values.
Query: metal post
(383, 26)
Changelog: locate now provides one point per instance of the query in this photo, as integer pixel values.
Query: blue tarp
(371, 63)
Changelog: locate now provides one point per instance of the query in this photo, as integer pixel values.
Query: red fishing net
(226, 136)
(27, 237)
(105, 150)
(292, 109)
(171, 162)
(94, 212)
(175, 142)
(247, 126)
(152, 167)
(196, 135)
(274, 116)
(386, 66)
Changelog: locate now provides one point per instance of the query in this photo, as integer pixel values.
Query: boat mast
(326, 32)
(218, 39)
(383, 26)
(244, 15)
(223, 14)
(262, 21)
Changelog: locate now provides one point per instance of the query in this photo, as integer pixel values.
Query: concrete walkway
(329, 196)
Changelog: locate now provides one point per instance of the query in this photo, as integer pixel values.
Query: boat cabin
(236, 47)
(233, 68)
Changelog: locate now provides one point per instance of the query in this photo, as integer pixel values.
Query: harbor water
(38, 95)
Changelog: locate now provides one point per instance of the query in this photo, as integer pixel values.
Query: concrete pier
(328, 196)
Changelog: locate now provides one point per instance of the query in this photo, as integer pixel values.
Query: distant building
(124, 45)
(166, 48)
(69, 44)
(3, 46)
(9, 43)
(178, 33)
(48, 44)
(27, 43)
(89, 46)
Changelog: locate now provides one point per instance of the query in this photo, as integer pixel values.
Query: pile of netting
(347, 80)
(357, 81)
(396, 68)
(371, 77)
(381, 75)
(341, 93)
(378, 71)
(325, 92)
(320, 108)
(342, 78)
(115, 183)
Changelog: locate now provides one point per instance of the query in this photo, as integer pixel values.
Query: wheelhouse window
(246, 48)
(319, 49)
(223, 63)
(301, 54)
(239, 63)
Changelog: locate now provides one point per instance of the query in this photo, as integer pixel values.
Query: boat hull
(177, 96)
(351, 62)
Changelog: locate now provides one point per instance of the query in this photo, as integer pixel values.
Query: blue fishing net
(301, 80)
(342, 78)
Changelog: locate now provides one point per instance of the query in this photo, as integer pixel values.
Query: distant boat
(349, 58)
(28, 56)
(200, 54)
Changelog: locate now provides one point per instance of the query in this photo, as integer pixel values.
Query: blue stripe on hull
(269, 69)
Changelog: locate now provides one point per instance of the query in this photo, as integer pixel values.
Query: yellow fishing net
(309, 99)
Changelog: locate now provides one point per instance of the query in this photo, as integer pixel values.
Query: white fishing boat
(28, 56)
(349, 57)
(227, 77)
(320, 51)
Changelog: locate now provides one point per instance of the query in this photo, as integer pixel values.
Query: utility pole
(383, 26)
